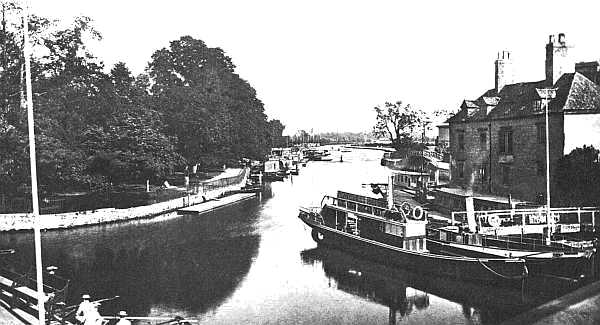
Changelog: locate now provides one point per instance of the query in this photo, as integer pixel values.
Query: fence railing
(221, 182)
(104, 199)
(523, 217)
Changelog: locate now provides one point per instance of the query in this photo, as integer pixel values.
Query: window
(482, 139)
(541, 133)
(460, 166)
(541, 167)
(505, 138)
(537, 105)
(397, 230)
(505, 175)
(482, 169)
(460, 135)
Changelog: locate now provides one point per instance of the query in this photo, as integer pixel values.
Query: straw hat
(122, 313)
(86, 296)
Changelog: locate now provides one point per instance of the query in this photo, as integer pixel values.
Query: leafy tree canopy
(398, 122)
(577, 178)
(91, 126)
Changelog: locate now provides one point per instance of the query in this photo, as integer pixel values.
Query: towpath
(581, 306)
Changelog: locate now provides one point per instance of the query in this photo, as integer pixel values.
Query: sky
(323, 65)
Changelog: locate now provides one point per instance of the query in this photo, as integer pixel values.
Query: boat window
(364, 208)
(391, 229)
(351, 205)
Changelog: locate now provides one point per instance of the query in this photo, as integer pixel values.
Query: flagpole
(32, 161)
(546, 94)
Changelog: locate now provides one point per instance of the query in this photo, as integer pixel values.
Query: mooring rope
(515, 277)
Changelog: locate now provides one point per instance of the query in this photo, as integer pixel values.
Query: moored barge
(397, 236)
(521, 233)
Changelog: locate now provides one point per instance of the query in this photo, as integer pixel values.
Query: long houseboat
(521, 233)
(365, 226)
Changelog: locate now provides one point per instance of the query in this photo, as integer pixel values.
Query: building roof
(584, 95)
(574, 92)
(493, 101)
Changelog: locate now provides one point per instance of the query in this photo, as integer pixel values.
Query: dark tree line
(94, 127)
(577, 178)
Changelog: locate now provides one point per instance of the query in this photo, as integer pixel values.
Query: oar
(176, 319)
(165, 320)
(72, 308)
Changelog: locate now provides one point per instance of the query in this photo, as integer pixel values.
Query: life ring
(316, 235)
(418, 213)
(405, 207)
(494, 220)
(405, 210)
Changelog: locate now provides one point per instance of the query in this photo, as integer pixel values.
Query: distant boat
(274, 170)
(364, 226)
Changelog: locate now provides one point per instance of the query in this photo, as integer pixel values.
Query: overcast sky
(323, 65)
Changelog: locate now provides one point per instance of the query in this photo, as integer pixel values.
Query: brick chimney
(503, 71)
(558, 61)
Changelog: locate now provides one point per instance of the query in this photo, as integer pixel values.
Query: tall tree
(212, 112)
(398, 122)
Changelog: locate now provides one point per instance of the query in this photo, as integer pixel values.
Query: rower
(122, 319)
(87, 313)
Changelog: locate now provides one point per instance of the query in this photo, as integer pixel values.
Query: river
(255, 263)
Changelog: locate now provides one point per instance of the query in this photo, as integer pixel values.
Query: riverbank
(386, 149)
(581, 306)
(230, 180)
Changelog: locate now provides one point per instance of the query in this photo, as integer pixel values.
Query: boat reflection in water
(406, 293)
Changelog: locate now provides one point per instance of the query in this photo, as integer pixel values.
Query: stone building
(497, 141)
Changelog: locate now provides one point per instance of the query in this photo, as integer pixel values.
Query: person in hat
(122, 319)
(87, 312)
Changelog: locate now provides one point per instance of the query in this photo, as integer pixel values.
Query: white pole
(390, 191)
(34, 186)
(549, 236)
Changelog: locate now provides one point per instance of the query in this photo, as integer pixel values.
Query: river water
(255, 263)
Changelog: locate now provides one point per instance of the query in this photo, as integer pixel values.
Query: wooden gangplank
(212, 205)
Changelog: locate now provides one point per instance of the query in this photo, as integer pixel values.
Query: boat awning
(480, 196)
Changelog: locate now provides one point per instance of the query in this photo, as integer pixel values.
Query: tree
(189, 106)
(577, 177)
(275, 130)
(398, 122)
(212, 113)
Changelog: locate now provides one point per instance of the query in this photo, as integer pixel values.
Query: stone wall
(524, 180)
(474, 157)
(12, 222)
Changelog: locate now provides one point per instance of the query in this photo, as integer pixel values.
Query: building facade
(498, 141)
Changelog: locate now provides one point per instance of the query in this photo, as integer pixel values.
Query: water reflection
(240, 265)
(405, 292)
(188, 263)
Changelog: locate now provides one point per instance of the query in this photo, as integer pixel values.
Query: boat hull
(496, 271)
(575, 267)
